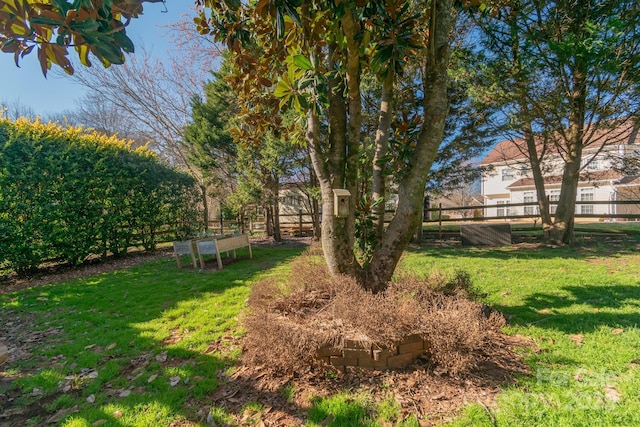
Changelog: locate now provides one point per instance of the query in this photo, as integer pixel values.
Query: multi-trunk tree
(316, 55)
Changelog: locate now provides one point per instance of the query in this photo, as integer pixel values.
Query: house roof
(584, 177)
(629, 180)
(513, 150)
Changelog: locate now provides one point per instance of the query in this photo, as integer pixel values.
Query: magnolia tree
(315, 55)
(309, 57)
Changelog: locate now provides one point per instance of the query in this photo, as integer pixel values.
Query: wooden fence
(633, 213)
(300, 224)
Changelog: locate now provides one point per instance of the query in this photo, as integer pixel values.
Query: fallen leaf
(577, 339)
(612, 393)
(326, 421)
(124, 393)
(55, 418)
(505, 294)
(99, 423)
(578, 377)
(617, 331)
(117, 414)
(37, 392)
(173, 381)
(110, 346)
(152, 377)
(91, 398)
(544, 311)
(43, 299)
(90, 346)
(93, 375)
(162, 357)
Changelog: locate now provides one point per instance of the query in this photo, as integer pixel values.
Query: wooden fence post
(440, 221)
(300, 221)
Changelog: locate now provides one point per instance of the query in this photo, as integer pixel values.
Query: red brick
(369, 363)
(399, 360)
(382, 354)
(410, 347)
(356, 353)
(328, 351)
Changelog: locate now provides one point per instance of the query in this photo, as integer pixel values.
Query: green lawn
(145, 346)
(582, 308)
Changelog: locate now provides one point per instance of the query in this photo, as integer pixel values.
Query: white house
(507, 178)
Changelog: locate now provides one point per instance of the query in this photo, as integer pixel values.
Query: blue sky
(58, 92)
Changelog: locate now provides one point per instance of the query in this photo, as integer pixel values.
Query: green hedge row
(66, 194)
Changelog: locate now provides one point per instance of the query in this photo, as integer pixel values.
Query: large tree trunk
(411, 189)
(275, 190)
(562, 231)
(535, 161)
(268, 220)
(205, 205)
(381, 148)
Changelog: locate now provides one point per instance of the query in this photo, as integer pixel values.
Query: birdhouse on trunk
(341, 203)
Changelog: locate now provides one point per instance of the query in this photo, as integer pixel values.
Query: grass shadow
(579, 309)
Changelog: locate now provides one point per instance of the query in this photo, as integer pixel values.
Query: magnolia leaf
(125, 42)
(83, 54)
(86, 25)
(283, 88)
(110, 52)
(234, 4)
(302, 62)
(43, 20)
(19, 29)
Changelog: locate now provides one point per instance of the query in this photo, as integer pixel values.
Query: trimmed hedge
(66, 194)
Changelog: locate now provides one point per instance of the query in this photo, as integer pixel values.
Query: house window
(502, 210)
(554, 196)
(524, 170)
(529, 197)
(507, 174)
(586, 195)
(590, 166)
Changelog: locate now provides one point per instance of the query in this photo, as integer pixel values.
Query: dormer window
(507, 174)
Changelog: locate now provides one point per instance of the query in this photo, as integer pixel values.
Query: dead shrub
(287, 323)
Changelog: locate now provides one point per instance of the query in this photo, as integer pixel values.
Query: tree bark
(205, 205)
(381, 148)
(411, 189)
(535, 161)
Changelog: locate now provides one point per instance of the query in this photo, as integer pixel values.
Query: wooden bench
(215, 246)
(186, 247)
